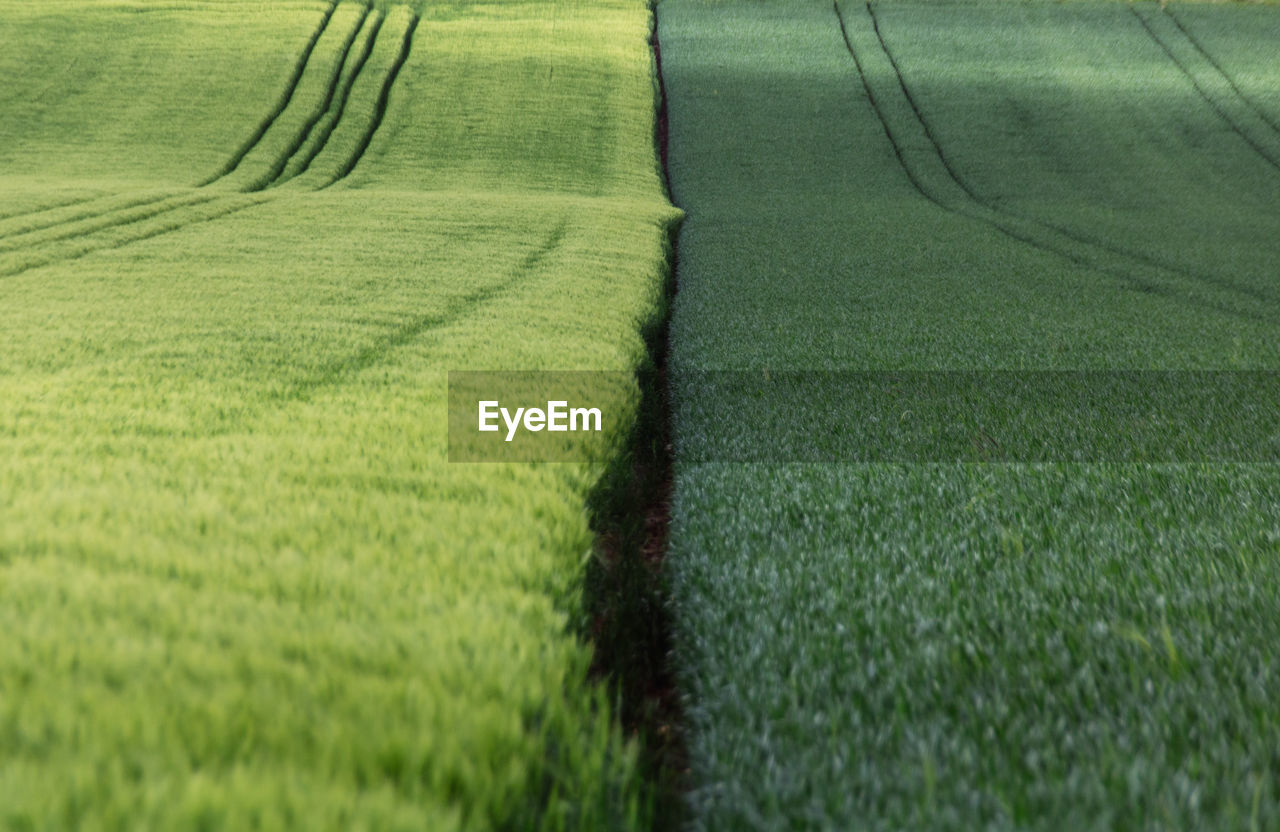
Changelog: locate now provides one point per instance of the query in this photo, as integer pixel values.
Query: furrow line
(231, 164)
(272, 175)
(344, 94)
(919, 114)
(86, 214)
(1101, 247)
(454, 310)
(1203, 93)
(281, 104)
(68, 204)
(380, 108)
(146, 235)
(880, 115)
(1248, 101)
(146, 213)
(918, 184)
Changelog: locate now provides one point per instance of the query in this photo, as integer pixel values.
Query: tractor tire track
(1226, 76)
(999, 217)
(1208, 99)
(108, 245)
(147, 211)
(54, 207)
(380, 107)
(880, 116)
(1083, 239)
(96, 221)
(82, 215)
(331, 88)
(918, 183)
(334, 116)
(454, 310)
(299, 67)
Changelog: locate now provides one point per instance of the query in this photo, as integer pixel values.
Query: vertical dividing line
(631, 622)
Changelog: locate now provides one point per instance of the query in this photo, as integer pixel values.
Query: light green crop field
(971, 186)
(241, 244)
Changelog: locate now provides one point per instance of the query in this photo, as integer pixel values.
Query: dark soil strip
(1194, 41)
(1075, 236)
(661, 128)
(331, 123)
(331, 89)
(629, 615)
(285, 98)
(1208, 99)
(380, 109)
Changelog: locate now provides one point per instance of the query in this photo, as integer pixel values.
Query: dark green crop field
(241, 244)
(973, 186)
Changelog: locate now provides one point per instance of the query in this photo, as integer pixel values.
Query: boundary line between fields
(628, 617)
(1214, 105)
(380, 107)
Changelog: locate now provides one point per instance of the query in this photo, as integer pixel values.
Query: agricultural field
(973, 465)
(241, 244)
(981, 187)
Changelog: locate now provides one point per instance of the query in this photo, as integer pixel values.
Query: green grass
(240, 587)
(964, 646)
